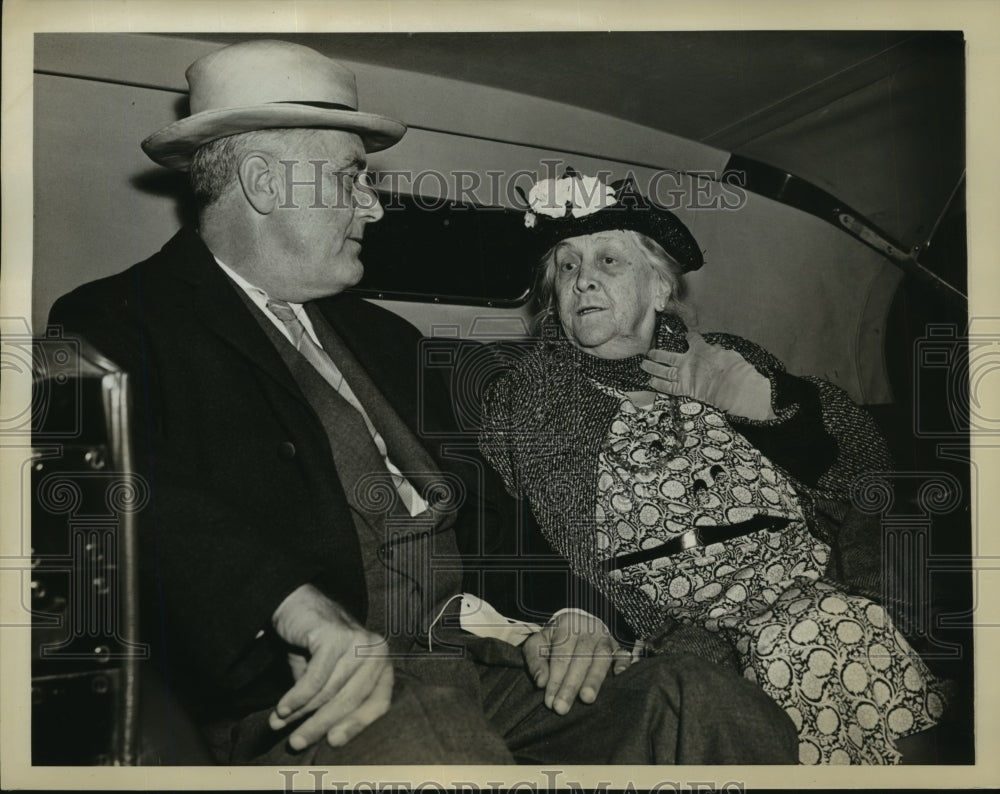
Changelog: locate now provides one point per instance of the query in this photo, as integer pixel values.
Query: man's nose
(369, 208)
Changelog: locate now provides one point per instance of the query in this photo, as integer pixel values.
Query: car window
(444, 251)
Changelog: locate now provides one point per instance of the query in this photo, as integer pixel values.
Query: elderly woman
(689, 477)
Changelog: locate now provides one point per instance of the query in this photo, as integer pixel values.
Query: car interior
(827, 197)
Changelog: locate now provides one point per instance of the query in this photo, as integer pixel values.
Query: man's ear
(259, 182)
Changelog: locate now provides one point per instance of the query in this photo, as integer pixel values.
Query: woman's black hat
(560, 208)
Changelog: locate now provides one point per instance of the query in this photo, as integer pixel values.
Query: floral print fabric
(834, 662)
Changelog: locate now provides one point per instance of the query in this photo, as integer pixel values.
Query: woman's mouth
(589, 310)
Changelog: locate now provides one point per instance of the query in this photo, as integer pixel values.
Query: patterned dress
(849, 681)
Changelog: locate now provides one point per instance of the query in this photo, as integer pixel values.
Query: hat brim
(175, 144)
(659, 224)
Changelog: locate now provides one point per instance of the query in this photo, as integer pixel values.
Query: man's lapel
(391, 367)
(218, 305)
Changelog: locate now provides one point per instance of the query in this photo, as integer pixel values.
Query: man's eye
(357, 179)
(566, 266)
(610, 260)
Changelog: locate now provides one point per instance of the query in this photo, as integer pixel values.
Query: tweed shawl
(545, 419)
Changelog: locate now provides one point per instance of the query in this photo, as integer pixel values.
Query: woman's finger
(696, 342)
(621, 661)
(665, 374)
(665, 371)
(535, 652)
(583, 669)
(666, 357)
(559, 663)
(600, 664)
(666, 386)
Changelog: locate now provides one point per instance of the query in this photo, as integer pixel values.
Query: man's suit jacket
(246, 503)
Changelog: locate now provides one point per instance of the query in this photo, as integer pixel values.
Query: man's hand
(713, 375)
(571, 656)
(337, 680)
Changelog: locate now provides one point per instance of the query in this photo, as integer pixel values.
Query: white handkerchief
(480, 618)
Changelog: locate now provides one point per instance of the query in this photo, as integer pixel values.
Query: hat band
(323, 105)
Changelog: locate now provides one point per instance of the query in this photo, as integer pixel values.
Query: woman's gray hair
(664, 265)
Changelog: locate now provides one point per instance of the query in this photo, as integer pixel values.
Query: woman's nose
(586, 277)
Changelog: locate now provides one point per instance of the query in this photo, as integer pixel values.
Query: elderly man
(301, 579)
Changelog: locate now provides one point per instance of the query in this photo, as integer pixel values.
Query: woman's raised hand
(722, 378)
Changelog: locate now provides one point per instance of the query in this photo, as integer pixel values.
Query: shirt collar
(260, 299)
(259, 295)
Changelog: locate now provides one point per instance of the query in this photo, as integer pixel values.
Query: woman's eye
(567, 266)
(610, 260)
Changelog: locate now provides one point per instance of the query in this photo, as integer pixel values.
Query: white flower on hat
(571, 196)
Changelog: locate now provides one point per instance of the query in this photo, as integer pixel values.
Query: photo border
(980, 22)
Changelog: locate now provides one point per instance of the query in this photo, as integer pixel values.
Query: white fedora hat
(259, 85)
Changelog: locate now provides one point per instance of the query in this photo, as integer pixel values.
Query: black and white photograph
(586, 398)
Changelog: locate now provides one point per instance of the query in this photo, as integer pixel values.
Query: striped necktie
(324, 365)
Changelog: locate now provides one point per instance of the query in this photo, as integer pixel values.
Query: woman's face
(607, 294)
